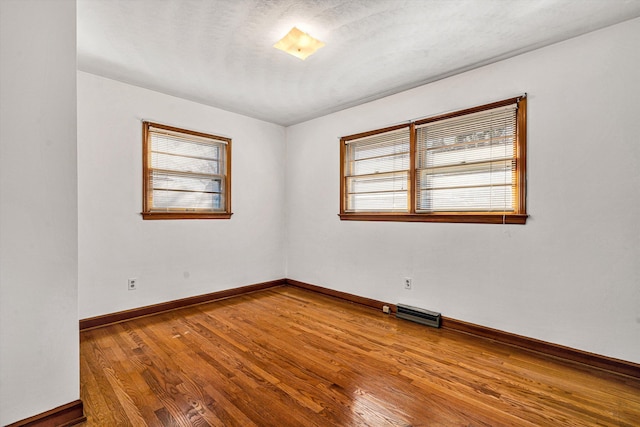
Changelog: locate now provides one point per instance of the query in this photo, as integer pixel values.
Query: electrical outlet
(407, 282)
(133, 284)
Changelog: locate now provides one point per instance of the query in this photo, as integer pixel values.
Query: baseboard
(121, 316)
(549, 349)
(63, 416)
(342, 295)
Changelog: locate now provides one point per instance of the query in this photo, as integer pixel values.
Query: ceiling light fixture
(298, 44)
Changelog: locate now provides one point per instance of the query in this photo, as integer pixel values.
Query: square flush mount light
(298, 44)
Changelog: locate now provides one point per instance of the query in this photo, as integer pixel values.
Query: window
(377, 171)
(465, 166)
(186, 174)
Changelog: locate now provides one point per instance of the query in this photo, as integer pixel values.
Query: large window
(465, 166)
(186, 174)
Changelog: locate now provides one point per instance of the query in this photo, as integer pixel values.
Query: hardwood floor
(290, 357)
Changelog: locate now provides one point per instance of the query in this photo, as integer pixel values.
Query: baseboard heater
(418, 315)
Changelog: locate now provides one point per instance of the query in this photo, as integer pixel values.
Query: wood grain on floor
(291, 357)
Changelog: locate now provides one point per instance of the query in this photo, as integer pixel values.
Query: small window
(186, 174)
(376, 171)
(465, 166)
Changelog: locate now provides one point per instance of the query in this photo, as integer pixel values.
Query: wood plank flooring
(290, 357)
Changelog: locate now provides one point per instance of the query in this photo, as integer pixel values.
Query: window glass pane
(165, 199)
(373, 202)
(384, 192)
(381, 164)
(377, 183)
(467, 153)
(480, 199)
(494, 173)
(183, 147)
(366, 149)
(164, 181)
(184, 164)
(480, 131)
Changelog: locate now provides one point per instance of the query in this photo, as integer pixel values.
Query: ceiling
(220, 52)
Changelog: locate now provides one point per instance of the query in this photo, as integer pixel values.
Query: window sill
(472, 218)
(185, 215)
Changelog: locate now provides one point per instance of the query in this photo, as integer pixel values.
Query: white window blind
(468, 163)
(376, 172)
(186, 172)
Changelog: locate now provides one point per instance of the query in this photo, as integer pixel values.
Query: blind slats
(168, 181)
(461, 167)
(377, 172)
(166, 199)
(467, 163)
(185, 136)
(186, 172)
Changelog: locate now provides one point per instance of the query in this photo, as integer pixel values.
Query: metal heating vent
(419, 315)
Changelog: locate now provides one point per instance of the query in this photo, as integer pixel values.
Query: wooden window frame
(148, 212)
(519, 214)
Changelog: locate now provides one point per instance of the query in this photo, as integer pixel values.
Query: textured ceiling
(219, 52)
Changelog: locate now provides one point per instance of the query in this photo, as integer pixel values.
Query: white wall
(571, 275)
(178, 258)
(38, 208)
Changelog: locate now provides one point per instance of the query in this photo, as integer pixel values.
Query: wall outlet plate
(407, 283)
(132, 284)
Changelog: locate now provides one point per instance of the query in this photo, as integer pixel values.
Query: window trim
(519, 216)
(148, 214)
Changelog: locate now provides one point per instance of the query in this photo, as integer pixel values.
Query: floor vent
(419, 315)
